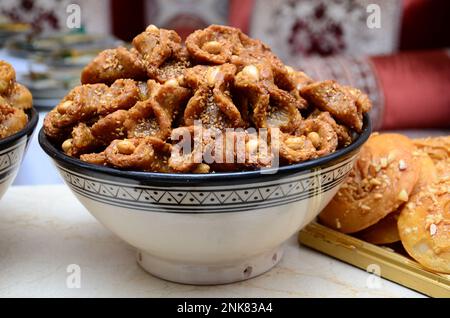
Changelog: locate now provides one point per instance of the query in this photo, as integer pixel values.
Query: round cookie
(438, 148)
(383, 232)
(424, 226)
(386, 230)
(428, 172)
(382, 179)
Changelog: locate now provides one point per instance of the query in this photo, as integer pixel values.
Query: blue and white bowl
(207, 228)
(12, 150)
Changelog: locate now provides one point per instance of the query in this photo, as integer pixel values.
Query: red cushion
(416, 87)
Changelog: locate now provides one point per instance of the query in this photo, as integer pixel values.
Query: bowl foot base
(199, 274)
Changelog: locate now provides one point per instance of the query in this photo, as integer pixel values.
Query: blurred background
(397, 51)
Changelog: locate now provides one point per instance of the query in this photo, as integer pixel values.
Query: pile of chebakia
(133, 101)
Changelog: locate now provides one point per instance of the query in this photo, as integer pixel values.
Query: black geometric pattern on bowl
(10, 158)
(208, 199)
(13, 147)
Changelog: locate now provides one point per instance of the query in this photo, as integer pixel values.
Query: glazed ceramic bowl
(211, 228)
(12, 150)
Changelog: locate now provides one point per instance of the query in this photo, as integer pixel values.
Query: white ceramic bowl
(207, 229)
(12, 150)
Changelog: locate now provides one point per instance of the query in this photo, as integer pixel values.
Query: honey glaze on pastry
(381, 181)
(14, 99)
(229, 84)
(345, 103)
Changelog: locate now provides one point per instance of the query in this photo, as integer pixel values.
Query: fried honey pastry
(218, 44)
(212, 150)
(345, 104)
(172, 68)
(19, 96)
(424, 226)
(294, 149)
(187, 150)
(237, 151)
(113, 64)
(206, 150)
(213, 45)
(381, 181)
(251, 150)
(110, 127)
(85, 139)
(146, 154)
(296, 80)
(12, 120)
(7, 78)
(343, 133)
(53, 132)
(252, 82)
(79, 105)
(154, 116)
(321, 134)
(170, 96)
(162, 53)
(148, 118)
(82, 141)
(122, 94)
(95, 158)
(240, 150)
(220, 78)
(14, 99)
(212, 104)
(281, 111)
(272, 107)
(87, 101)
(223, 44)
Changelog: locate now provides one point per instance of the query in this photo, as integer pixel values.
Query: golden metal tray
(393, 266)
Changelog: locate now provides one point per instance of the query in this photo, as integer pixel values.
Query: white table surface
(44, 229)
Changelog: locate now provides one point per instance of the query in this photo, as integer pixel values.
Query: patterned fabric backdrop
(51, 15)
(325, 27)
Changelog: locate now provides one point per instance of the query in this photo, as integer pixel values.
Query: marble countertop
(44, 229)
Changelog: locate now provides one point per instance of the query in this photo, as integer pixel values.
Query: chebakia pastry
(136, 106)
(14, 99)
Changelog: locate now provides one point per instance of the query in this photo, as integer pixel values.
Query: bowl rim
(33, 117)
(188, 178)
